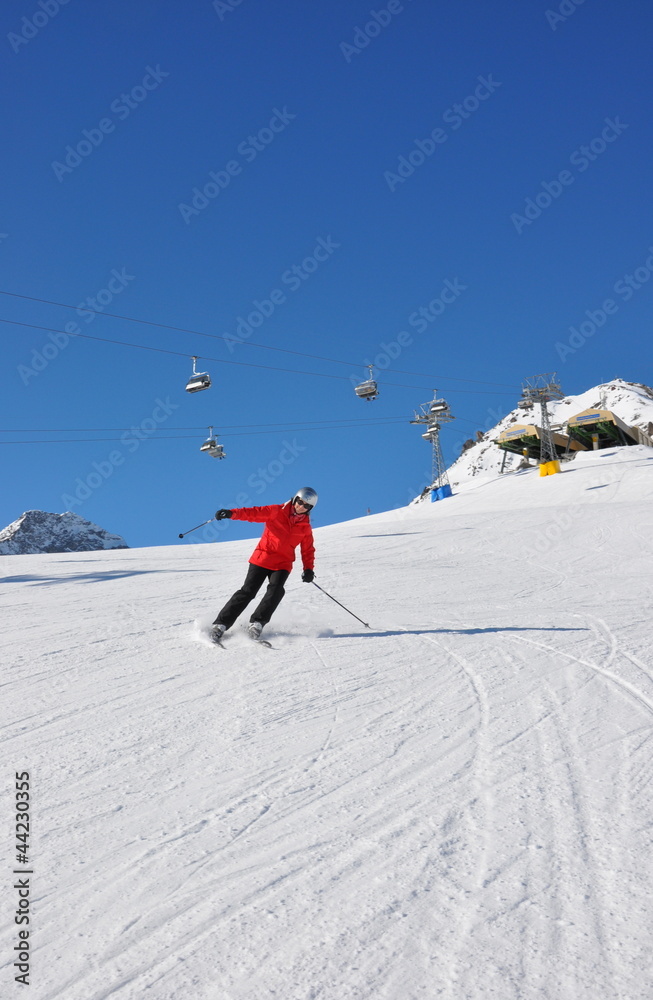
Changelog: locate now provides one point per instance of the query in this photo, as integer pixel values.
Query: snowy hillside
(454, 803)
(39, 531)
(631, 401)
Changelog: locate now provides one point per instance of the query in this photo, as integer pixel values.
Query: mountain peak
(40, 531)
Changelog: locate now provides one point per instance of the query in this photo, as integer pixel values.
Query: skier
(286, 526)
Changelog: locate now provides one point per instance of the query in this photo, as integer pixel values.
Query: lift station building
(586, 431)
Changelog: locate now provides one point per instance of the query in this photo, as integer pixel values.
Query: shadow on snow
(451, 631)
(95, 577)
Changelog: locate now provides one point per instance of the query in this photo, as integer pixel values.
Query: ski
(216, 641)
(254, 633)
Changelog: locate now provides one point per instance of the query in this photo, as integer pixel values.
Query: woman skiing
(286, 526)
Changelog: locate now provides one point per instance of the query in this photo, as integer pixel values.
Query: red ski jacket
(284, 531)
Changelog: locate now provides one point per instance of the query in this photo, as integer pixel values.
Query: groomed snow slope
(455, 803)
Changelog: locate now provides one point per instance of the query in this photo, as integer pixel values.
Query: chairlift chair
(211, 446)
(210, 442)
(368, 389)
(198, 380)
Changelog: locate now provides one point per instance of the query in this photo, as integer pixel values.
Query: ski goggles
(306, 506)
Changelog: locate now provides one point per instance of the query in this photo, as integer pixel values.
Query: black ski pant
(253, 581)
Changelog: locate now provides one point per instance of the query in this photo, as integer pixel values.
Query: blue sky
(450, 190)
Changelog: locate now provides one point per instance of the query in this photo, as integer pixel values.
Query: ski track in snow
(457, 807)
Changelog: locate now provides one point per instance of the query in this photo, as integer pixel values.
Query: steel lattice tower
(542, 389)
(434, 414)
(439, 475)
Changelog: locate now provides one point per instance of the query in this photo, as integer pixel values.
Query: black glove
(220, 514)
(307, 576)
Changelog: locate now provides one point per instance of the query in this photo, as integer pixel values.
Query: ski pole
(182, 533)
(341, 605)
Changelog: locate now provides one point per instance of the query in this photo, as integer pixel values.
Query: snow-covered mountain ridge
(632, 402)
(38, 531)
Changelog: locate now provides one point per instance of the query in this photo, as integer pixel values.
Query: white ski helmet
(307, 495)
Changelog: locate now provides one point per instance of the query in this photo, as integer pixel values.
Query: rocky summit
(39, 531)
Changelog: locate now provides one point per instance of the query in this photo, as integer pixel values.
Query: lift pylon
(542, 389)
(432, 415)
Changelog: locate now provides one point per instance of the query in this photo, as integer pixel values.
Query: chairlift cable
(325, 424)
(225, 361)
(249, 343)
(188, 437)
